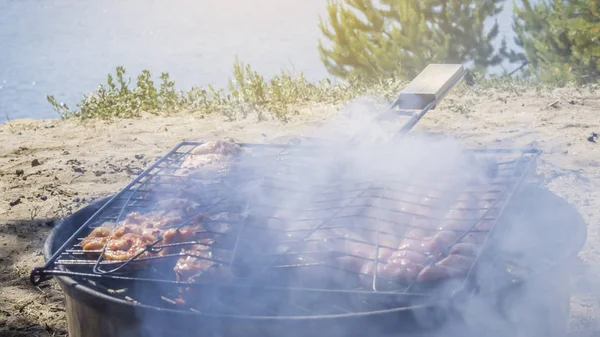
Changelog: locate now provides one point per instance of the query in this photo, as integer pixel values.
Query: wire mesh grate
(331, 242)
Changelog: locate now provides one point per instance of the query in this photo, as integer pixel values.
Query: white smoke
(357, 149)
(356, 153)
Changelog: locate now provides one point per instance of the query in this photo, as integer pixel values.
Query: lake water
(66, 47)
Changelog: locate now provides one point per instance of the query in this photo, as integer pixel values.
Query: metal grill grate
(269, 252)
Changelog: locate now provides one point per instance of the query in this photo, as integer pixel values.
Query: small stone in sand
(139, 156)
(73, 162)
(15, 202)
(35, 163)
(43, 197)
(20, 173)
(77, 169)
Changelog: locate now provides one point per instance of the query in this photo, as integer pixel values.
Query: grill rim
(87, 294)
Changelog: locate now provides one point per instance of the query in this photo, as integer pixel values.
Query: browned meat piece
(451, 266)
(488, 210)
(219, 147)
(198, 169)
(174, 236)
(430, 203)
(359, 254)
(427, 243)
(176, 207)
(197, 263)
(338, 252)
(409, 259)
(464, 248)
(214, 155)
(400, 269)
(221, 223)
(402, 255)
(416, 207)
(155, 219)
(122, 243)
(177, 235)
(400, 265)
(412, 255)
(461, 256)
(141, 229)
(166, 213)
(136, 232)
(127, 246)
(202, 259)
(420, 247)
(194, 261)
(96, 239)
(126, 241)
(476, 238)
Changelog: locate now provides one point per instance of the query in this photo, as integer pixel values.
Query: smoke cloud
(322, 198)
(528, 245)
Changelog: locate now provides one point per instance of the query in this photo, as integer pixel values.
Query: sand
(51, 168)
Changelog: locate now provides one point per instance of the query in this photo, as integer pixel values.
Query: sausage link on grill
(430, 254)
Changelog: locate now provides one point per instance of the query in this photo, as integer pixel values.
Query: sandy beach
(51, 168)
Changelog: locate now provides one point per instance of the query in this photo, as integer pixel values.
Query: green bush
(117, 100)
(247, 92)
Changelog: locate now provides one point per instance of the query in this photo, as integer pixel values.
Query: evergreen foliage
(560, 39)
(371, 39)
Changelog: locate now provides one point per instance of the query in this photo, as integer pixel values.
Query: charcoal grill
(107, 298)
(95, 284)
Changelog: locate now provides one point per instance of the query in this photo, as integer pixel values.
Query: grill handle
(38, 276)
(424, 92)
(404, 100)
